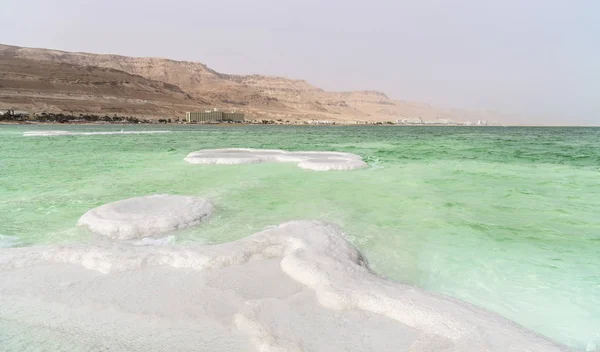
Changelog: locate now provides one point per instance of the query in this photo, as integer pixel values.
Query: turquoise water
(506, 218)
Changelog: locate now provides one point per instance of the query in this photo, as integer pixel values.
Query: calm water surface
(506, 218)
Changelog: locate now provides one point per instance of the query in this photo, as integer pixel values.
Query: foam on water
(299, 286)
(316, 161)
(50, 133)
(146, 216)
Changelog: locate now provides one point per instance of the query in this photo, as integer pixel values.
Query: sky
(536, 58)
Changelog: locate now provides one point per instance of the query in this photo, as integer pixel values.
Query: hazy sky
(533, 57)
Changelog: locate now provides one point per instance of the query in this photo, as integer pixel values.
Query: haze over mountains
(44, 80)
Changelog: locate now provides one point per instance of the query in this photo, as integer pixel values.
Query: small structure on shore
(213, 116)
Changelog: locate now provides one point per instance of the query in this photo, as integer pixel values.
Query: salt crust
(299, 286)
(147, 216)
(316, 161)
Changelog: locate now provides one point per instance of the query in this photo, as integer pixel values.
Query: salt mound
(299, 286)
(331, 164)
(317, 161)
(50, 133)
(45, 133)
(146, 216)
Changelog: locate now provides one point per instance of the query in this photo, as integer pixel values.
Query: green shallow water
(506, 218)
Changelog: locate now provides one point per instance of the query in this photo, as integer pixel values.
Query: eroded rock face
(146, 216)
(317, 161)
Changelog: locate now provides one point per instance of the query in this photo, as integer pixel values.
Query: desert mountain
(57, 81)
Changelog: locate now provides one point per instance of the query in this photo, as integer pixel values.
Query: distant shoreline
(51, 123)
(96, 120)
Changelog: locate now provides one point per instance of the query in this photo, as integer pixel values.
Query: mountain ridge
(259, 96)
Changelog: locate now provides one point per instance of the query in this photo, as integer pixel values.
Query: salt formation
(317, 161)
(299, 286)
(8, 241)
(50, 133)
(45, 133)
(147, 216)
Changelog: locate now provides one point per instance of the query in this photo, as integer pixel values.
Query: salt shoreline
(299, 286)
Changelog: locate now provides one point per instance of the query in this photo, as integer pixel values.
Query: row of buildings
(213, 116)
(420, 121)
(216, 116)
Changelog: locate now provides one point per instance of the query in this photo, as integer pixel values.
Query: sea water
(505, 218)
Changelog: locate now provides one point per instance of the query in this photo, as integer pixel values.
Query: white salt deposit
(149, 241)
(45, 133)
(51, 133)
(9, 241)
(317, 161)
(331, 164)
(147, 216)
(299, 286)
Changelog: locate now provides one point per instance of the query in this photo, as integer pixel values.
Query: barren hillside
(54, 87)
(117, 83)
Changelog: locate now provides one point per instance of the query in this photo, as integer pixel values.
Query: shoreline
(56, 123)
(266, 289)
